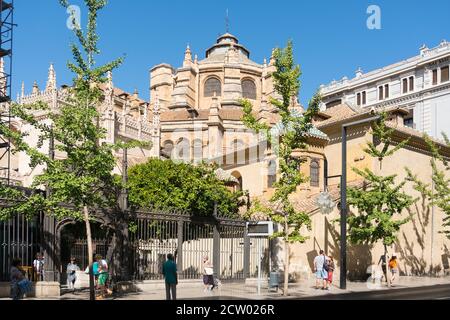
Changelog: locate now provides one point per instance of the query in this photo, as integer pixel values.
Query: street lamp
(343, 275)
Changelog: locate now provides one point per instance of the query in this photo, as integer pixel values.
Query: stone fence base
(41, 290)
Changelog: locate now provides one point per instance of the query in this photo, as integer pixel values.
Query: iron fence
(20, 238)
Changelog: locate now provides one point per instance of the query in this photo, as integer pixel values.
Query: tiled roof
(220, 58)
(338, 113)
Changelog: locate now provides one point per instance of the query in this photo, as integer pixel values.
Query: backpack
(325, 264)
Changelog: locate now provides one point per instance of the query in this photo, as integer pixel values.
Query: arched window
(314, 173)
(168, 147)
(182, 151)
(248, 89)
(212, 85)
(238, 176)
(272, 173)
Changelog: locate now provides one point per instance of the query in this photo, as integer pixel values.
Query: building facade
(421, 84)
(195, 115)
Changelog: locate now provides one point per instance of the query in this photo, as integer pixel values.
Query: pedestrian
(393, 266)
(17, 275)
(330, 270)
(383, 265)
(72, 269)
(171, 277)
(95, 270)
(208, 275)
(38, 267)
(320, 269)
(103, 276)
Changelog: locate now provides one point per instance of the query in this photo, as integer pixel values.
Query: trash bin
(274, 280)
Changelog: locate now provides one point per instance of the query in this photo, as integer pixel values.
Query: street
(438, 292)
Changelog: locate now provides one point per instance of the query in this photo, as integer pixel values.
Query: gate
(19, 239)
(189, 239)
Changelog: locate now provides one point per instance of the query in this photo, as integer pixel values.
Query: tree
(165, 184)
(81, 185)
(381, 200)
(439, 192)
(291, 136)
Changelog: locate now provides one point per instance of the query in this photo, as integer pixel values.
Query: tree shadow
(359, 256)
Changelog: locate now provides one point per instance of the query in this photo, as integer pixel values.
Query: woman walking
(330, 271)
(72, 269)
(208, 275)
(393, 266)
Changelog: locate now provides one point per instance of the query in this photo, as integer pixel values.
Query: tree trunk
(388, 273)
(286, 258)
(90, 253)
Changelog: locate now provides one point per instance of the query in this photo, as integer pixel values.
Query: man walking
(321, 270)
(170, 274)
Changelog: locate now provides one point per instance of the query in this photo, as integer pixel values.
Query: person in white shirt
(321, 270)
(38, 266)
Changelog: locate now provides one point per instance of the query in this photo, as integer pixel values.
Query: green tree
(83, 179)
(382, 199)
(291, 136)
(165, 184)
(439, 192)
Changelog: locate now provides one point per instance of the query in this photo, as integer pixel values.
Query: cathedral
(194, 115)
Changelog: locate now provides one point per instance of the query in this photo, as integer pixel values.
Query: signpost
(262, 229)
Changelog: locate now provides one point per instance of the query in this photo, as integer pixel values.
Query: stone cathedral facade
(194, 114)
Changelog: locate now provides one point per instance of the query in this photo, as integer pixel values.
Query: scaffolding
(6, 55)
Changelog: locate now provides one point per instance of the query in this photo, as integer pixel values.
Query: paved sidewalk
(240, 291)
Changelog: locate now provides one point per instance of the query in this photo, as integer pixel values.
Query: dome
(224, 42)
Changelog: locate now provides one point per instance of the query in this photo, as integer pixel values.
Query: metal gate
(19, 239)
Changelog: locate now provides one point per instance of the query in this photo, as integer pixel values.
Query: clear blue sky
(330, 36)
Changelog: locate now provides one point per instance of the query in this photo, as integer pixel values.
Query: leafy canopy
(381, 200)
(81, 174)
(291, 137)
(165, 184)
(438, 193)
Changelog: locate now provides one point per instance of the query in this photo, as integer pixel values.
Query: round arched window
(213, 86)
(248, 89)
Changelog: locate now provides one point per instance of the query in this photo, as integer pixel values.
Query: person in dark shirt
(170, 275)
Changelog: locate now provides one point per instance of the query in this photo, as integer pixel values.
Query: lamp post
(343, 274)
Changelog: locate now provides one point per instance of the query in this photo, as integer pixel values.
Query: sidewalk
(240, 291)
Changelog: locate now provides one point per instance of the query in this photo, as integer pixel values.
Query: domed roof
(224, 43)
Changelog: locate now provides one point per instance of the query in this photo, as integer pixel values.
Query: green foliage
(438, 193)
(383, 135)
(292, 137)
(381, 200)
(169, 185)
(83, 177)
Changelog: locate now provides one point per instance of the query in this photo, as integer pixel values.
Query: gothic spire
(109, 92)
(35, 88)
(187, 56)
(51, 80)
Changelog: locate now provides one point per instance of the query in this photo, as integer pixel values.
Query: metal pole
(343, 275)
(259, 265)
(125, 180)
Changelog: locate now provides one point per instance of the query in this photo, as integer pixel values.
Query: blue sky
(330, 36)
